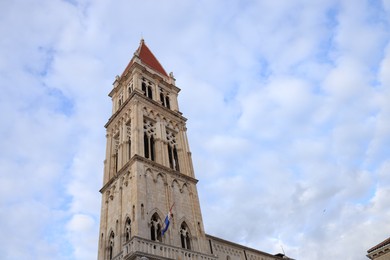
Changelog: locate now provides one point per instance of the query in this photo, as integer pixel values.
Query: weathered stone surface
(148, 170)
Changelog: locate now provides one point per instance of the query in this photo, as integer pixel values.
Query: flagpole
(167, 220)
(171, 207)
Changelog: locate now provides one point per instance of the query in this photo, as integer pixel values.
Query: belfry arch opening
(155, 228)
(185, 237)
(127, 229)
(111, 245)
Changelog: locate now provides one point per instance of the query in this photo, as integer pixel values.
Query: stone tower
(148, 170)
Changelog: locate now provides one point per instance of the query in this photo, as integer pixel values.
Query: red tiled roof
(147, 57)
(383, 243)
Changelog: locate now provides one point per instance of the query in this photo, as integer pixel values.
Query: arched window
(155, 228)
(120, 100)
(162, 99)
(152, 148)
(172, 151)
(149, 140)
(146, 145)
(127, 229)
(147, 89)
(185, 236)
(111, 245)
(170, 156)
(167, 104)
(144, 88)
(150, 94)
(176, 159)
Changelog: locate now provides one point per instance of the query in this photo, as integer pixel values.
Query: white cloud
(287, 105)
(83, 236)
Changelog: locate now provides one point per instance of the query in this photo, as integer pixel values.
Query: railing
(139, 245)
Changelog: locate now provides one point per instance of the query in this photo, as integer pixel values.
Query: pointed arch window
(120, 100)
(111, 245)
(167, 102)
(144, 88)
(150, 93)
(175, 159)
(147, 88)
(172, 151)
(185, 236)
(155, 228)
(149, 143)
(127, 229)
(164, 99)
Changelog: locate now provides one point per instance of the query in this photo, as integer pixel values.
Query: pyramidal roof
(147, 58)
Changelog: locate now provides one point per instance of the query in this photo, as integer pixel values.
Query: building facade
(381, 251)
(149, 179)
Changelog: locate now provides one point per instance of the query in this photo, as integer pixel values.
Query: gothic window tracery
(164, 99)
(185, 236)
(172, 151)
(155, 228)
(147, 88)
(149, 131)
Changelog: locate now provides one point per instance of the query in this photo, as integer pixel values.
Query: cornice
(248, 249)
(133, 97)
(157, 166)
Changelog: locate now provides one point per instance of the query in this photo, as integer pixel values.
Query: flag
(167, 220)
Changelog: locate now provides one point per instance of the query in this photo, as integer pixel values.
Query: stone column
(158, 144)
(183, 153)
(173, 101)
(138, 129)
(123, 144)
(107, 161)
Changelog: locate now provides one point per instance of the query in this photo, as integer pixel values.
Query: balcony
(156, 250)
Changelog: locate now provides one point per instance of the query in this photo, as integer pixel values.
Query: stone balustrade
(157, 250)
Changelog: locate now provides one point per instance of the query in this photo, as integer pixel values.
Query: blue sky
(288, 107)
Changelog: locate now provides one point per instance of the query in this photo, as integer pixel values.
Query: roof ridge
(145, 55)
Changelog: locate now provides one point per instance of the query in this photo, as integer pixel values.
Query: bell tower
(148, 170)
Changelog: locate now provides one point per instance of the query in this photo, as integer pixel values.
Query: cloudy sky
(288, 107)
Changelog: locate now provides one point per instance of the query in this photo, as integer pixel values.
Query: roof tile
(147, 57)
